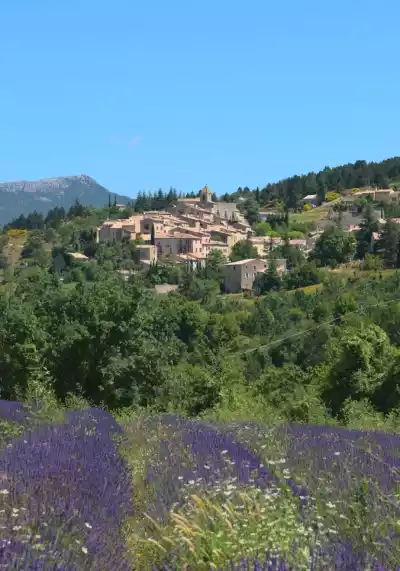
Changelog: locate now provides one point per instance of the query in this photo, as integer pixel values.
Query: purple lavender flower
(12, 411)
(195, 452)
(69, 485)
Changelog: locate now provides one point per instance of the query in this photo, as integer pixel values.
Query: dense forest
(353, 175)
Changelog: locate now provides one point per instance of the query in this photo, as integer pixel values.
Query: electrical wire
(316, 326)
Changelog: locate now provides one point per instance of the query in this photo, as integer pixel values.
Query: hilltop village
(186, 233)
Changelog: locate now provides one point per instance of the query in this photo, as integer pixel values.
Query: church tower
(205, 195)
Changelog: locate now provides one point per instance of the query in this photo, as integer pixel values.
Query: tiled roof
(297, 242)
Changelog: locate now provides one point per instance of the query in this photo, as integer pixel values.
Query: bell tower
(205, 195)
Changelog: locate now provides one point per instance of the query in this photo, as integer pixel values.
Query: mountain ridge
(25, 196)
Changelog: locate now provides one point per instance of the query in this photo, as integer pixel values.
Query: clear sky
(159, 93)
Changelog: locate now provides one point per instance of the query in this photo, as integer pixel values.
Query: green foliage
(243, 250)
(262, 229)
(359, 364)
(83, 332)
(388, 245)
(294, 235)
(326, 182)
(270, 280)
(211, 530)
(3, 261)
(334, 247)
(251, 210)
(372, 262)
(289, 388)
(190, 389)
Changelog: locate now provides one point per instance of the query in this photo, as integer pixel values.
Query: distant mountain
(23, 197)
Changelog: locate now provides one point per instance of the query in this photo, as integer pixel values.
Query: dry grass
(14, 248)
(307, 289)
(313, 215)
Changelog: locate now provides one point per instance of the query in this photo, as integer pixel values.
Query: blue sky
(157, 93)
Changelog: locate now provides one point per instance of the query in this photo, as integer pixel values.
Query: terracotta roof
(297, 242)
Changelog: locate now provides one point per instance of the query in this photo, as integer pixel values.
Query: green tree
(364, 235)
(214, 266)
(262, 229)
(194, 288)
(243, 250)
(189, 389)
(303, 275)
(388, 246)
(252, 211)
(292, 254)
(334, 247)
(289, 391)
(359, 363)
(270, 280)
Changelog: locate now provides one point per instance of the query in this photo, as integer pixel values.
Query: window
(246, 276)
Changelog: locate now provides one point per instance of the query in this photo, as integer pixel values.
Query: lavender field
(165, 493)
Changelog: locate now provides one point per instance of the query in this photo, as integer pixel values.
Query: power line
(316, 326)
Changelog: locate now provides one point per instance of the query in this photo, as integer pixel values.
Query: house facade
(239, 276)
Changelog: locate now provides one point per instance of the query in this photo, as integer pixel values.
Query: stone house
(239, 276)
(181, 243)
(311, 199)
(147, 254)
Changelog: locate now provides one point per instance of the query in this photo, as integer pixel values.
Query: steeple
(206, 195)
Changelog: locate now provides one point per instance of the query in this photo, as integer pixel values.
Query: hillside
(219, 427)
(23, 197)
(340, 178)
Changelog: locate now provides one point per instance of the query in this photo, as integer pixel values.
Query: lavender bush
(65, 493)
(195, 495)
(321, 467)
